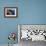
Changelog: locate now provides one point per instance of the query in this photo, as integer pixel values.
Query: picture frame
(11, 12)
(37, 29)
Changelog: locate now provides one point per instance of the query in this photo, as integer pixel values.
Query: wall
(29, 12)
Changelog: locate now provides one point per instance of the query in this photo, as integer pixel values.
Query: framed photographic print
(11, 12)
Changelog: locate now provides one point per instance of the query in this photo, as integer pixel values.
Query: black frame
(11, 16)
